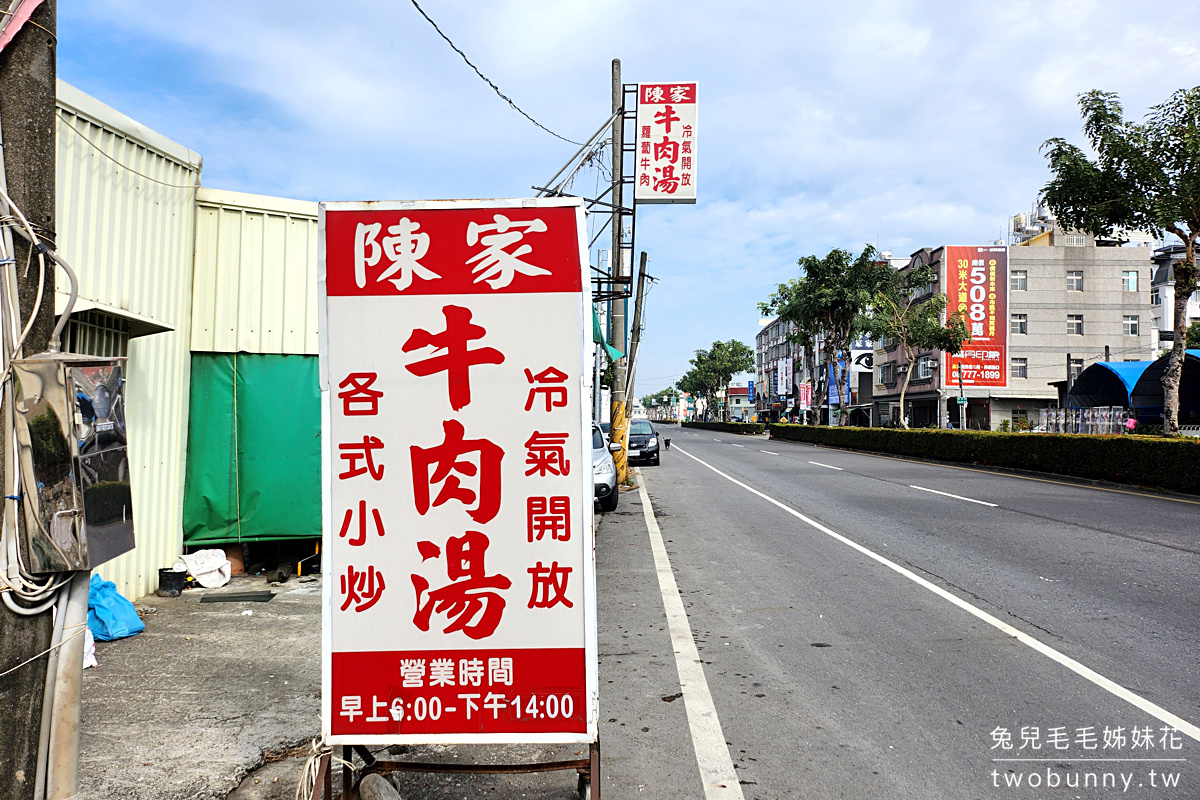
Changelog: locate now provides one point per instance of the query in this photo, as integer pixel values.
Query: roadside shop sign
(460, 599)
(977, 285)
(666, 143)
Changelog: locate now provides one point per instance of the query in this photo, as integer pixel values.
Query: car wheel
(610, 503)
(654, 462)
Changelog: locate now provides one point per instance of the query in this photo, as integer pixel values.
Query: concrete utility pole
(27, 122)
(636, 337)
(619, 431)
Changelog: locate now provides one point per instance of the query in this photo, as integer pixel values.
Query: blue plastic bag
(111, 616)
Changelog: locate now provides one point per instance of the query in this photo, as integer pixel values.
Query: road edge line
(717, 774)
(1112, 687)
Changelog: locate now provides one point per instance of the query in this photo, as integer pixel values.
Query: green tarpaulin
(254, 449)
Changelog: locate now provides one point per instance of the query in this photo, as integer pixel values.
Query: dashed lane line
(712, 755)
(768, 452)
(947, 494)
(1110, 686)
(739, 445)
(826, 466)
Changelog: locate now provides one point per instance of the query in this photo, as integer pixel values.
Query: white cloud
(907, 123)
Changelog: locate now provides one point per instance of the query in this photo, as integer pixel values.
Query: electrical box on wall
(70, 425)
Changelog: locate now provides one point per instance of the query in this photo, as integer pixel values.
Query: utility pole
(619, 430)
(27, 124)
(636, 339)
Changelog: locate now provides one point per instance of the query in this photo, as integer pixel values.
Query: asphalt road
(864, 659)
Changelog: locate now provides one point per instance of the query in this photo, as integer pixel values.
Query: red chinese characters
(361, 538)
(666, 143)
(358, 398)
(546, 454)
(364, 451)
(456, 526)
(549, 586)
(548, 383)
(446, 459)
(471, 600)
(458, 358)
(550, 515)
(361, 588)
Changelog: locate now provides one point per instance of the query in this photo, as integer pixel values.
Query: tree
(1145, 176)
(713, 369)
(900, 313)
(1193, 335)
(784, 305)
(662, 398)
(830, 301)
(696, 381)
(727, 359)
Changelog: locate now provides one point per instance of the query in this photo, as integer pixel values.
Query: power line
(486, 80)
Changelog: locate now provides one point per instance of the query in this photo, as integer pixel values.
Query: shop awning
(138, 324)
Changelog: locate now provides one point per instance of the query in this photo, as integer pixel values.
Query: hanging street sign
(666, 143)
(460, 598)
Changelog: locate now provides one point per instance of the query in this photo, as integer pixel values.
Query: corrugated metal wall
(256, 274)
(126, 222)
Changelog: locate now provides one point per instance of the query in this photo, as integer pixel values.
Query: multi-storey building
(775, 363)
(1067, 306)
(1162, 296)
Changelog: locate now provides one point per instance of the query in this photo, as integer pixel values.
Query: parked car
(604, 472)
(643, 442)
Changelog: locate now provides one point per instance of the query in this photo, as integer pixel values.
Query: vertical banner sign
(459, 598)
(977, 285)
(666, 143)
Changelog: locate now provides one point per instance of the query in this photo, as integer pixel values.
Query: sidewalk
(186, 708)
(190, 707)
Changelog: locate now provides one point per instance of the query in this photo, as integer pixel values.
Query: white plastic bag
(210, 568)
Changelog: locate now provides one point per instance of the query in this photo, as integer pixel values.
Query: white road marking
(955, 496)
(827, 466)
(715, 439)
(712, 755)
(1154, 710)
(768, 452)
(739, 445)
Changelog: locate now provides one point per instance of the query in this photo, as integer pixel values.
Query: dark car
(643, 442)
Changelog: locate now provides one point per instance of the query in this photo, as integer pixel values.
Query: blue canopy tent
(1106, 383)
(1147, 394)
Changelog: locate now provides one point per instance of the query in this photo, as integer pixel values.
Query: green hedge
(1172, 464)
(728, 427)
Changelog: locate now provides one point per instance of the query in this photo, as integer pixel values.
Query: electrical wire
(118, 163)
(486, 80)
(312, 765)
(66, 639)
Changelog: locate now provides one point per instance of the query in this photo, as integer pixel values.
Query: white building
(1162, 296)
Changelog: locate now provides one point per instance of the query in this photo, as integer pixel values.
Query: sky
(821, 125)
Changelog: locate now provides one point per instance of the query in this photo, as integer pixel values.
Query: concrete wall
(1047, 302)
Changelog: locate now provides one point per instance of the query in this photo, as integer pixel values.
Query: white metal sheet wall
(125, 205)
(255, 274)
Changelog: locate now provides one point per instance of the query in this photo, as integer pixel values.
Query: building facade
(775, 358)
(1068, 306)
(1162, 296)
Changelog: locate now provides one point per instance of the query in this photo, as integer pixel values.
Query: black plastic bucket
(170, 582)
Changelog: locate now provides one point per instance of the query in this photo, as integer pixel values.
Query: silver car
(604, 472)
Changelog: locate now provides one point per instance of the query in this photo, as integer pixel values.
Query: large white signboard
(459, 577)
(666, 143)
